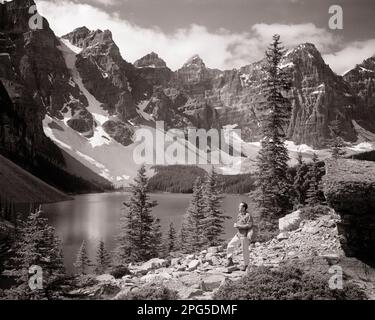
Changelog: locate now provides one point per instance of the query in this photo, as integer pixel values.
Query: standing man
(244, 224)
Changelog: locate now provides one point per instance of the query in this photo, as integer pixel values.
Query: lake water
(92, 217)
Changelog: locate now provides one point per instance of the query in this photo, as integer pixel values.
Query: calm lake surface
(92, 217)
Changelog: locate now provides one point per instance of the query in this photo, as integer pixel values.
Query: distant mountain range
(78, 92)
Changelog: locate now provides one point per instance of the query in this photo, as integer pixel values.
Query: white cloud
(221, 49)
(106, 3)
(293, 35)
(354, 53)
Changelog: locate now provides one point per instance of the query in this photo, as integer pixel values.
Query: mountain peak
(307, 48)
(77, 36)
(151, 60)
(194, 60)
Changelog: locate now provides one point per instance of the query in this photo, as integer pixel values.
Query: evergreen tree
(102, 258)
(182, 237)
(172, 238)
(194, 225)
(82, 262)
(314, 193)
(214, 216)
(35, 246)
(273, 194)
(158, 245)
(336, 143)
(300, 180)
(135, 241)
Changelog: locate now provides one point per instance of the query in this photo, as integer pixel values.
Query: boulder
(105, 278)
(154, 263)
(156, 277)
(283, 236)
(213, 250)
(349, 187)
(175, 261)
(213, 282)
(193, 265)
(290, 221)
(189, 293)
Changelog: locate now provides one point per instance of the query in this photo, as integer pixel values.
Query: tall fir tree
(182, 236)
(194, 224)
(214, 216)
(171, 238)
(102, 258)
(158, 247)
(314, 192)
(336, 143)
(36, 244)
(135, 241)
(273, 185)
(82, 262)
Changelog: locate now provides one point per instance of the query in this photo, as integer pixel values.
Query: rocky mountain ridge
(91, 100)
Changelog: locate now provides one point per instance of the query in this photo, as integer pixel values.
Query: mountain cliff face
(34, 81)
(361, 80)
(90, 99)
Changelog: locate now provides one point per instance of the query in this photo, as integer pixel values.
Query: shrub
(119, 271)
(85, 280)
(313, 212)
(286, 283)
(151, 292)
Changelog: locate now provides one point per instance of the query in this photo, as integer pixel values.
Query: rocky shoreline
(311, 243)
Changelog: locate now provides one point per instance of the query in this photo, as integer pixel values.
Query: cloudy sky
(225, 33)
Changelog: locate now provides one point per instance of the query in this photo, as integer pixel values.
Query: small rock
(283, 236)
(331, 258)
(154, 263)
(227, 269)
(189, 292)
(212, 282)
(213, 250)
(156, 277)
(175, 261)
(193, 265)
(180, 268)
(105, 278)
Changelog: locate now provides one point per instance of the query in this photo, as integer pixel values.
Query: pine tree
(273, 194)
(102, 258)
(300, 180)
(172, 238)
(214, 216)
(36, 245)
(82, 262)
(194, 224)
(158, 245)
(313, 194)
(182, 236)
(336, 143)
(136, 240)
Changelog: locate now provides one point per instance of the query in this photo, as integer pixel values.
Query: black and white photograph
(199, 152)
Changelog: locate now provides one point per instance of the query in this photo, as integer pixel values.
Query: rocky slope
(314, 243)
